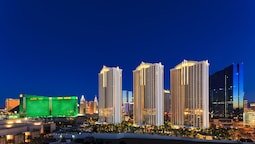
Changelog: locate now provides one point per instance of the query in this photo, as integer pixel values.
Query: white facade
(83, 105)
(148, 86)
(190, 94)
(110, 95)
(95, 105)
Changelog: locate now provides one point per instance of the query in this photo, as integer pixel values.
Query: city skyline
(179, 71)
(97, 94)
(58, 49)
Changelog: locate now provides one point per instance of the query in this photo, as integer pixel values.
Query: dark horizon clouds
(58, 47)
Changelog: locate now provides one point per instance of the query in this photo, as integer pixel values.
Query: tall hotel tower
(190, 94)
(148, 86)
(110, 95)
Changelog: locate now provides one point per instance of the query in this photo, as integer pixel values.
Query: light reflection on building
(148, 86)
(110, 95)
(249, 118)
(227, 92)
(190, 94)
(127, 103)
(88, 107)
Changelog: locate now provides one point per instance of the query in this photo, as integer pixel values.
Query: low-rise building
(249, 118)
(252, 106)
(11, 103)
(222, 123)
(22, 130)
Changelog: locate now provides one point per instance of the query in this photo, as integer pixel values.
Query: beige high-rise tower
(190, 94)
(148, 86)
(110, 95)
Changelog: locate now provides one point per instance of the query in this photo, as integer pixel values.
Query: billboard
(43, 106)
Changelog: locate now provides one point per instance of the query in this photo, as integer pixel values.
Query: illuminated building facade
(110, 95)
(83, 105)
(95, 106)
(246, 105)
(90, 107)
(167, 105)
(190, 94)
(252, 106)
(167, 101)
(11, 104)
(42, 106)
(249, 118)
(127, 102)
(148, 86)
(227, 92)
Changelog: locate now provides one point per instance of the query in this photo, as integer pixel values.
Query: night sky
(58, 47)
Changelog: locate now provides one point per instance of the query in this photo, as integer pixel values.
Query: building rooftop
(187, 63)
(106, 69)
(144, 65)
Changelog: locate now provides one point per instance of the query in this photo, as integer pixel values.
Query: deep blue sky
(58, 47)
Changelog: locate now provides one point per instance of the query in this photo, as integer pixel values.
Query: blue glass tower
(127, 102)
(227, 92)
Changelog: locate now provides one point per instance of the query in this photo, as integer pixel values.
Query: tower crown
(82, 100)
(95, 99)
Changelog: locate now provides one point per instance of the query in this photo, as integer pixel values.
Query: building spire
(95, 99)
(82, 99)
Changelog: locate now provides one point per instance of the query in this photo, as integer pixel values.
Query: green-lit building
(43, 106)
